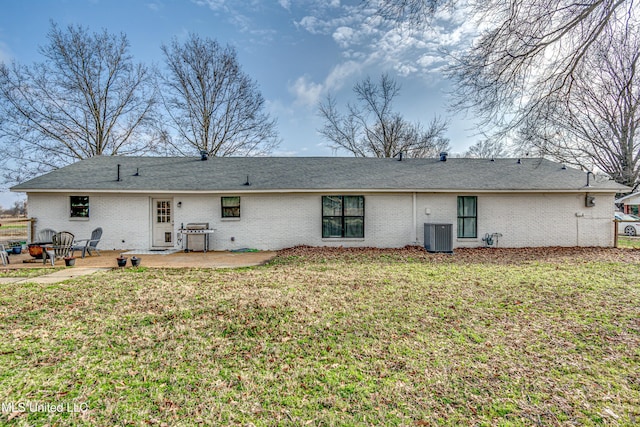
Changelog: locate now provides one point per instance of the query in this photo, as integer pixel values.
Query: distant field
(13, 229)
(338, 337)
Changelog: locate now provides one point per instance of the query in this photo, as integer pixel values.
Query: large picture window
(343, 216)
(79, 206)
(230, 207)
(467, 216)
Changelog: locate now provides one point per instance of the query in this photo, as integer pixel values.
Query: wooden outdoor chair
(60, 248)
(88, 245)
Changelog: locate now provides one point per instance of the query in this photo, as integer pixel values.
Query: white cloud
(364, 36)
(404, 69)
(312, 24)
(340, 73)
(426, 61)
(306, 92)
(309, 93)
(343, 36)
(328, 16)
(154, 6)
(286, 4)
(211, 4)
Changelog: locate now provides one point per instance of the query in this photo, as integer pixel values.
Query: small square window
(79, 206)
(230, 207)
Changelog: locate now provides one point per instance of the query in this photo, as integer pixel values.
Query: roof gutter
(321, 190)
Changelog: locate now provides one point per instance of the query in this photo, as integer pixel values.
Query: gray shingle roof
(180, 174)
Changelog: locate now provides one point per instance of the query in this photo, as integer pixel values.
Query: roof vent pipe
(589, 173)
(203, 155)
(443, 156)
(118, 179)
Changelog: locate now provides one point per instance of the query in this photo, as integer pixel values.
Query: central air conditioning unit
(438, 237)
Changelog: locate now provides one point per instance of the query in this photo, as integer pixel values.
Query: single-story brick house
(273, 203)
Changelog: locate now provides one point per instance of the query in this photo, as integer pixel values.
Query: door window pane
(163, 211)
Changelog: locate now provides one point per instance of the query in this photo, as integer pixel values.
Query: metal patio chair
(60, 248)
(87, 246)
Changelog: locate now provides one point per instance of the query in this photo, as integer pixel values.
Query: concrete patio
(107, 259)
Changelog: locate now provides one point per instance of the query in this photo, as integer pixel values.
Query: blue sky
(296, 50)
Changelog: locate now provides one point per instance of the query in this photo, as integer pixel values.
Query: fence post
(32, 229)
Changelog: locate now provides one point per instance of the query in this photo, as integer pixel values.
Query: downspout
(414, 233)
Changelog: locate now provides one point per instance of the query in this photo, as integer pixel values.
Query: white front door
(162, 223)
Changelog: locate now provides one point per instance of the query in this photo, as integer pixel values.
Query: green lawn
(628, 242)
(347, 339)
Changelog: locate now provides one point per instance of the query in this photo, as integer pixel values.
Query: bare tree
(372, 129)
(528, 73)
(86, 98)
(19, 208)
(487, 149)
(596, 127)
(214, 106)
(529, 50)
(532, 55)
(415, 11)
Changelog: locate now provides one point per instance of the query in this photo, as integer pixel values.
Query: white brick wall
(528, 220)
(124, 219)
(274, 221)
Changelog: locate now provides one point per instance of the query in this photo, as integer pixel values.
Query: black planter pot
(135, 261)
(69, 262)
(122, 261)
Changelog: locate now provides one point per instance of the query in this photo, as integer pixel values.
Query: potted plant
(16, 248)
(135, 261)
(69, 261)
(122, 261)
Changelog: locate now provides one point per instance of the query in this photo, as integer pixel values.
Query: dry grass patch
(335, 337)
(27, 272)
